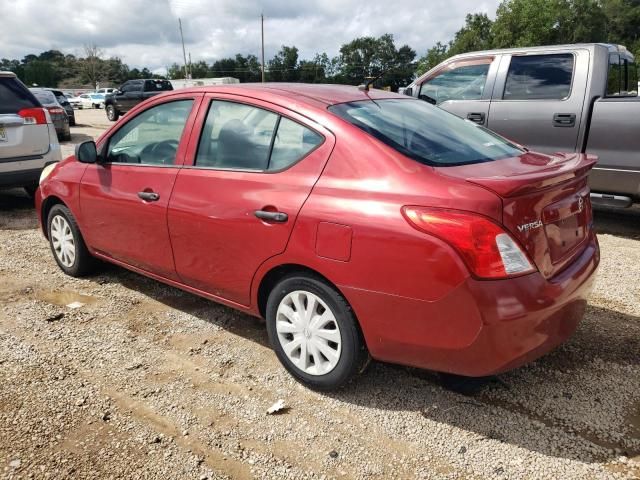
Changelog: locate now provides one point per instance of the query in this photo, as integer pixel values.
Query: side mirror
(86, 152)
(408, 91)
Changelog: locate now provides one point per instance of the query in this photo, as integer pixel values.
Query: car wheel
(314, 332)
(68, 247)
(72, 123)
(112, 113)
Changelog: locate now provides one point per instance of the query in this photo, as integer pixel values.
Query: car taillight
(55, 110)
(486, 248)
(33, 116)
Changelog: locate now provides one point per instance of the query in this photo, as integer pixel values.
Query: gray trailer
(560, 98)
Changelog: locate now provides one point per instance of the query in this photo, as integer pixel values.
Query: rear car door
(538, 99)
(124, 198)
(462, 87)
(249, 171)
(131, 95)
(24, 133)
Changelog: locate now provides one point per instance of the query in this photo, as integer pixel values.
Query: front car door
(247, 175)
(124, 198)
(539, 97)
(462, 87)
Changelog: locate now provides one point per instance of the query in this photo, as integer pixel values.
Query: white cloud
(144, 33)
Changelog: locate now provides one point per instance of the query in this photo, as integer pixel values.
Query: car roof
(317, 94)
(7, 74)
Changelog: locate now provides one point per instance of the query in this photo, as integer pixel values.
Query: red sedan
(356, 223)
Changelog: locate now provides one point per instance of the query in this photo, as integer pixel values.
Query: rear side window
(45, 97)
(236, 136)
(14, 96)
(539, 77)
(157, 85)
(622, 80)
(292, 142)
(425, 133)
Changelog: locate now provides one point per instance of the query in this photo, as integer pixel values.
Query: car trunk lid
(545, 199)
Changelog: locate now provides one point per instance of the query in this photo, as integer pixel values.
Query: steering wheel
(162, 152)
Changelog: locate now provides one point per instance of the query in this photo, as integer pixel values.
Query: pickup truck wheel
(67, 245)
(314, 332)
(112, 113)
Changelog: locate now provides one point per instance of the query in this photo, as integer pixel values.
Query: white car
(28, 140)
(106, 91)
(75, 101)
(92, 100)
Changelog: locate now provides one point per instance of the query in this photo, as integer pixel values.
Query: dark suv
(131, 93)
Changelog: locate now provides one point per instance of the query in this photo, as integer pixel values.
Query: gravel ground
(146, 381)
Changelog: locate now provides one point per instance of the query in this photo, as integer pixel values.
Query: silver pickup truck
(581, 98)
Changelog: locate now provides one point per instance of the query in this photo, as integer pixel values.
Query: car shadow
(17, 210)
(501, 408)
(77, 138)
(619, 222)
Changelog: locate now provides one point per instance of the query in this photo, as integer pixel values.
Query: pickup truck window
(539, 77)
(425, 133)
(622, 80)
(465, 82)
(157, 86)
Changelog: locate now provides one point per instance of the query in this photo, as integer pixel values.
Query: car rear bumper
(482, 327)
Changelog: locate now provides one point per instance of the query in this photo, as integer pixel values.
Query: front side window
(152, 137)
(426, 133)
(241, 137)
(539, 77)
(465, 82)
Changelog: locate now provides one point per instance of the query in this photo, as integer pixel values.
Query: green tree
(368, 57)
(283, 67)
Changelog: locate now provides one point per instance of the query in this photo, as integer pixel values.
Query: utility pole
(184, 52)
(190, 67)
(262, 30)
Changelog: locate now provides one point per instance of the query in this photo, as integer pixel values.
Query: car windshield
(62, 100)
(425, 133)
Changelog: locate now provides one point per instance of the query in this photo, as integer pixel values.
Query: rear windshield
(45, 97)
(157, 85)
(14, 96)
(426, 133)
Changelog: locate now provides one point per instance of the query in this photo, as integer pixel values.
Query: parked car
(75, 101)
(581, 98)
(131, 93)
(64, 103)
(92, 100)
(28, 139)
(105, 91)
(354, 222)
(58, 115)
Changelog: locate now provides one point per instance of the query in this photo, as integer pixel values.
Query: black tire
(353, 356)
(112, 113)
(83, 262)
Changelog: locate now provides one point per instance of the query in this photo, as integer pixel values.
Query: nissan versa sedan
(357, 223)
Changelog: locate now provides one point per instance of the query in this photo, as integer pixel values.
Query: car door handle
(149, 196)
(476, 117)
(279, 217)
(564, 119)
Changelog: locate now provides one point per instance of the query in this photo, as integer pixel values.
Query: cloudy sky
(145, 32)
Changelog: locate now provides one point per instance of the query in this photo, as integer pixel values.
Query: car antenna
(364, 87)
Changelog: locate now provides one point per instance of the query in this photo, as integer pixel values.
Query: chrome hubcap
(62, 240)
(308, 333)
